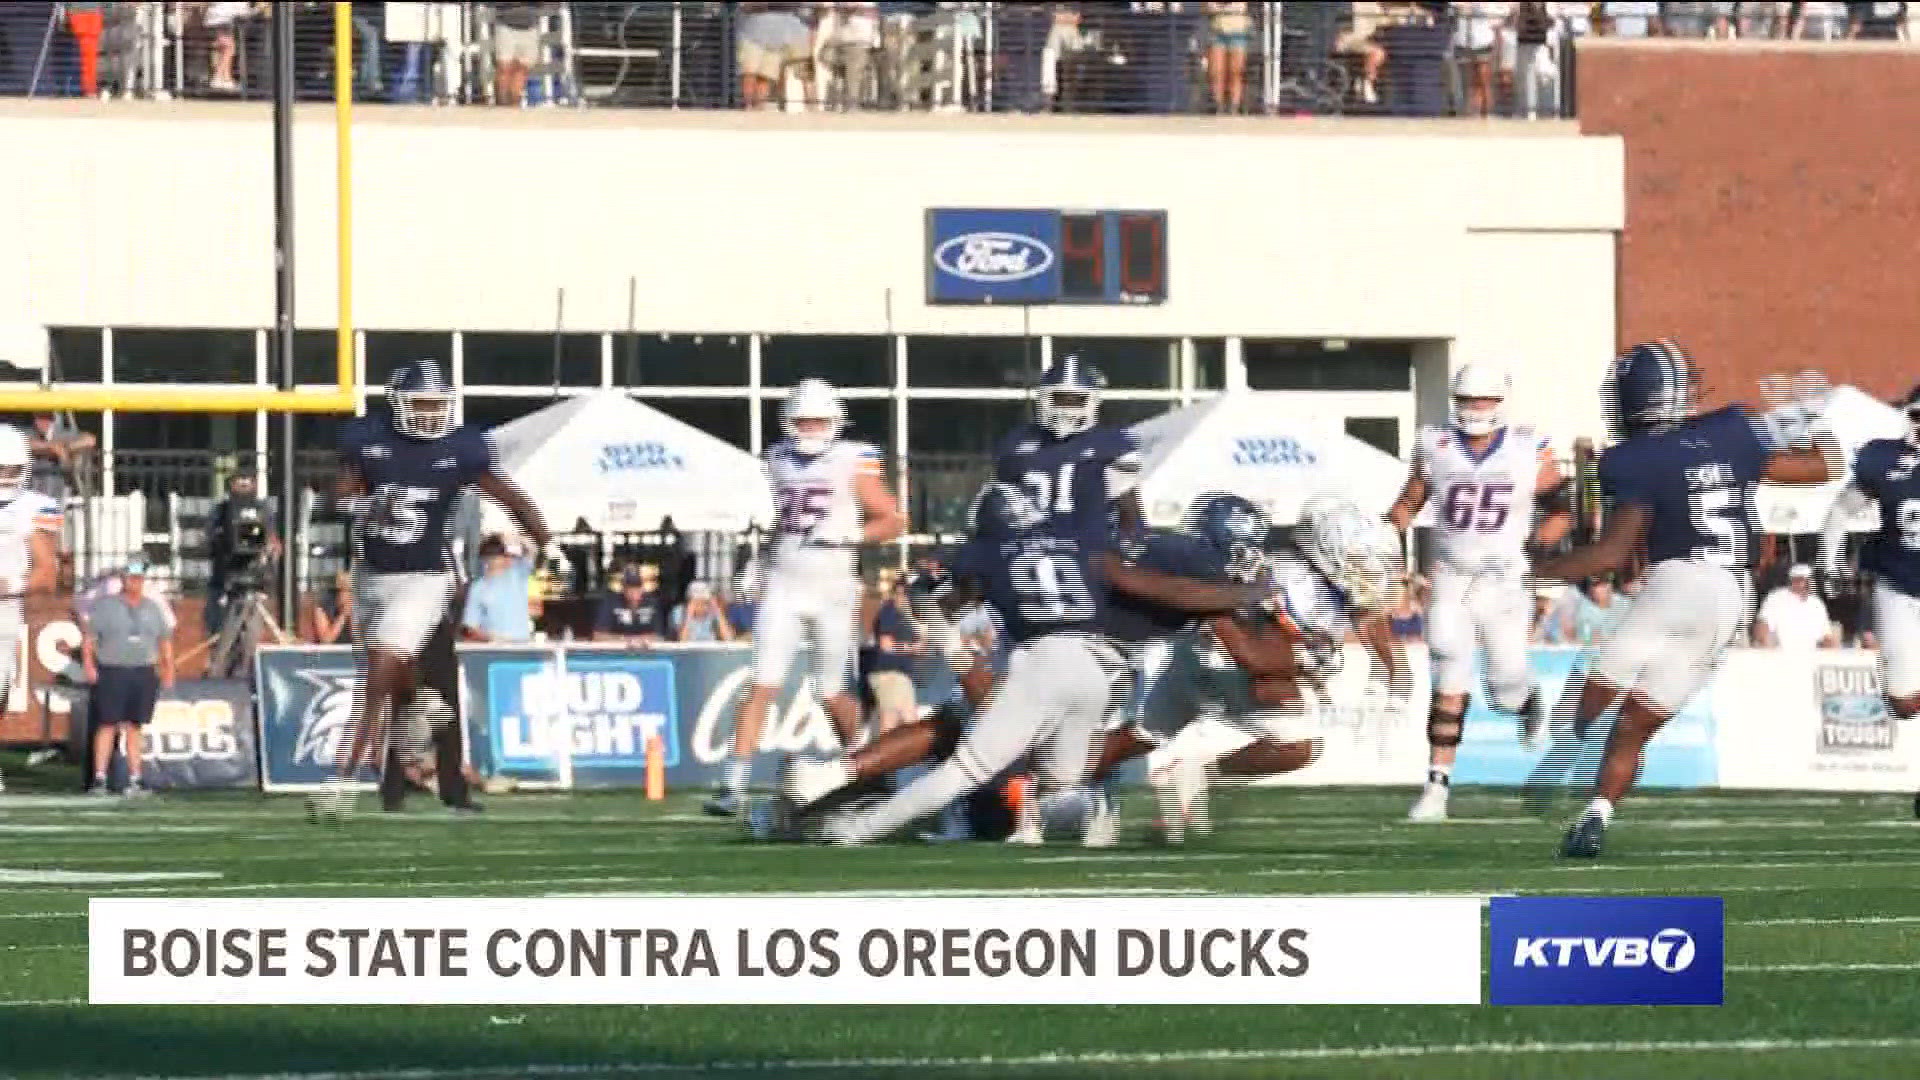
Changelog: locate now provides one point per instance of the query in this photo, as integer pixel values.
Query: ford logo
(993, 257)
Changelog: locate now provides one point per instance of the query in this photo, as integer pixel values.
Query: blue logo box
(1607, 950)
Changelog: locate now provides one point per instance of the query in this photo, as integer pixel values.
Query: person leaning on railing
(332, 611)
(59, 451)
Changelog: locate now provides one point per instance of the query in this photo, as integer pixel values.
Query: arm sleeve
(1770, 611)
(477, 455)
(1422, 466)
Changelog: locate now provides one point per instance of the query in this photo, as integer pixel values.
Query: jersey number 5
(1477, 507)
(402, 516)
(1051, 589)
(1716, 517)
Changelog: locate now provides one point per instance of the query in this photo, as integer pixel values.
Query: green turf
(1825, 861)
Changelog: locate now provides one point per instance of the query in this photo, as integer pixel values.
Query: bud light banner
(993, 256)
(306, 699)
(536, 713)
(1681, 755)
(201, 736)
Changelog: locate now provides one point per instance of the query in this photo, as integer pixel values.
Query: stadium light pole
(283, 299)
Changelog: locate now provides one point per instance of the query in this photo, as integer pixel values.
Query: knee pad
(1444, 729)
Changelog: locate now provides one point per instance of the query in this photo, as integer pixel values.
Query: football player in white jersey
(829, 498)
(1488, 480)
(29, 554)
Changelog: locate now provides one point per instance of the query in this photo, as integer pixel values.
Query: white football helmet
(1359, 553)
(1480, 381)
(16, 458)
(812, 399)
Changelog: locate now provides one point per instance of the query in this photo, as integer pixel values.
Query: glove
(934, 583)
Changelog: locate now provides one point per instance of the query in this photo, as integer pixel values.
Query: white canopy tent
(620, 465)
(1852, 417)
(1260, 446)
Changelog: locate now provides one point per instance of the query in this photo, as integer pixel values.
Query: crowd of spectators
(1475, 57)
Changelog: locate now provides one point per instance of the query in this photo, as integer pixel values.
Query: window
(1316, 365)
(841, 360)
(723, 418)
(491, 359)
(870, 421)
(183, 356)
(680, 359)
(491, 412)
(313, 358)
(1381, 432)
(1129, 413)
(1128, 363)
(198, 433)
(961, 427)
(388, 349)
(73, 355)
(972, 362)
(1209, 364)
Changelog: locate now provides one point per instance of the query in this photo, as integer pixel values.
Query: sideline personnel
(128, 654)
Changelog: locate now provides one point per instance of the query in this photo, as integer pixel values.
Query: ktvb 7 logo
(1670, 951)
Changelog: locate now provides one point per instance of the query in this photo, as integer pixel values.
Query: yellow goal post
(343, 397)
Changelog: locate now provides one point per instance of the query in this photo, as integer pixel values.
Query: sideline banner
(1812, 720)
(306, 699)
(1680, 756)
(818, 950)
(201, 737)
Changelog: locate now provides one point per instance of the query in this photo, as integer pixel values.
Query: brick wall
(1773, 204)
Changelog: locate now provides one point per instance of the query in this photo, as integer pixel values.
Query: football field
(1823, 940)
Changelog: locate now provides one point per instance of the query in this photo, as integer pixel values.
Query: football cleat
(805, 781)
(1584, 838)
(333, 803)
(1431, 806)
(1180, 787)
(722, 803)
(1103, 823)
(1027, 829)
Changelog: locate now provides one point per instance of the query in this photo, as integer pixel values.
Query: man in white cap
(128, 654)
(1794, 617)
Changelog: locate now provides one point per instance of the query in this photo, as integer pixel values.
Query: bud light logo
(1279, 450)
(993, 258)
(597, 711)
(1607, 950)
(639, 456)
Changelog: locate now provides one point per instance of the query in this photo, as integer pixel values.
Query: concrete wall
(1498, 239)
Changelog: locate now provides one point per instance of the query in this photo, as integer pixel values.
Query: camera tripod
(248, 623)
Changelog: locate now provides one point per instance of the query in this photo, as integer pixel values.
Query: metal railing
(1160, 58)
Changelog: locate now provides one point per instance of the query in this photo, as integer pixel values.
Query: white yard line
(1835, 967)
(1120, 1058)
(1832, 920)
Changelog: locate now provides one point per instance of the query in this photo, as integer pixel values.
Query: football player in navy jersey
(1884, 476)
(1082, 474)
(1049, 589)
(1681, 485)
(399, 477)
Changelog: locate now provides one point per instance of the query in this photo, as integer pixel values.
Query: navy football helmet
(1235, 527)
(1066, 399)
(421, 399)
(1002, 511)
(1650, 387)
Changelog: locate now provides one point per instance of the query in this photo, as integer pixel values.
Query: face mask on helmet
(812, 417)
(1479, 396)
(426, 415)
(1065, 411)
